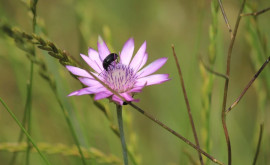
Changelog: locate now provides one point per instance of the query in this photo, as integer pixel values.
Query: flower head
(125, 76)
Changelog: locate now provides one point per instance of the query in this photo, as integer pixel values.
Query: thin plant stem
(14, 156)
(24, 122)
(28, 112)
(212, 71)
(187, 103)
(71, 128)
(122, 135)
(258, 145)
(248, 85)
(226, 86)
(225, 17)
(25, 132)
(256, 13)
(149, 116)
(33, 5)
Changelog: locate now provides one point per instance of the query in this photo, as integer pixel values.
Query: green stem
(33, 4)
(24, 122)
(71, 128)
(25, 132)
(122, 136)
(14, 156)
(28, 111)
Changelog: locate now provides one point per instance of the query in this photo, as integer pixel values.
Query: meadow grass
(218, 63)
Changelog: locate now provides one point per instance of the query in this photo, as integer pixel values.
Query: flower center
(119, 77)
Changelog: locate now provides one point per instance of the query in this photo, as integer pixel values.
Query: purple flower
(125, 77)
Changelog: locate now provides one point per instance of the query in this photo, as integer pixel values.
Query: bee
(108, 60)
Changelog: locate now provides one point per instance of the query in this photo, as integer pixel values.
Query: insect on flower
(125, 77)
(109, 60)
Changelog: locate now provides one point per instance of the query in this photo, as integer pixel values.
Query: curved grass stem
(258, 145)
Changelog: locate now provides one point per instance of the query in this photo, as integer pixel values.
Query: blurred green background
(75, 25)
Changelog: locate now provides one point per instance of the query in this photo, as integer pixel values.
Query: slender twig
(256, 13)
(225, 17)
(187, 103)
(149, 116)
(121, 131)
(226, 86)
(211, 70)
(248, 85)
(258, 145)
(25, 132)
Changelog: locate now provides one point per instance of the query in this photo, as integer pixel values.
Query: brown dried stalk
(248, 85)
(223, 113)
(256, 13)
(187, 103)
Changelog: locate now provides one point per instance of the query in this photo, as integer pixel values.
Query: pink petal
(102, 95)
(117, 99)
(138, 58)
(84, 91)
(152, 80)
(151, 68)
(89, 82)
(145, 57)
(103, 50)
(127, 51)
(136, 89)
(127, 96)
(93, 54)
(88, 90)
(91, 63)
(78, 71)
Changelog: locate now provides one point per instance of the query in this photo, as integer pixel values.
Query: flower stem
(25, 132)
(122, 136)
